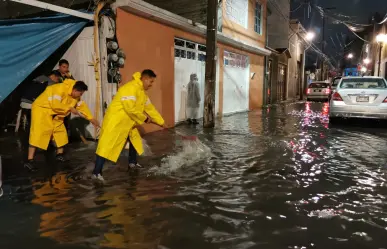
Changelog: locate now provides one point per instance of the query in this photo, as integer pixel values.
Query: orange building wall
(248, 35)
(149, 44)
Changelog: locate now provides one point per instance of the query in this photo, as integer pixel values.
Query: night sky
(355, 11)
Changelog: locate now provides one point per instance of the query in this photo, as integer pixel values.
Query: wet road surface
(277, 178)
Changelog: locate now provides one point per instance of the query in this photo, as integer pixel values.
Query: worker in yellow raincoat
(48, 112)
(130, 107)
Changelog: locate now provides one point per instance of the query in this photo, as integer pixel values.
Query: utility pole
(374, 35)
(323, 47)
(380, 57)
(210, 85)
(323, 40)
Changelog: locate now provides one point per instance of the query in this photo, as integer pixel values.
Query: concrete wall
(296, 48)
(248, 34)
(278, 28)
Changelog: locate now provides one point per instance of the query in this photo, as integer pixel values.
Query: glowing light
(363, 69)
(366, 61)
(310, 36)
(381, 38)
(350, 56)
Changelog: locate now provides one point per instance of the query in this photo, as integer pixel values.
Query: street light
(310, 36)
(380, 39)
(366, 61)
(350, 56)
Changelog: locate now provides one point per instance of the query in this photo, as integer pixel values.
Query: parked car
(318, 91)
(359, 97)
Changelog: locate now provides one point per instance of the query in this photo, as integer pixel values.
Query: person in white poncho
(193, 99)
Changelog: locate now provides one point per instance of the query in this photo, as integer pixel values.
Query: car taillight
(308, 90)
(328, 91)
(385, 100)
(336, 97)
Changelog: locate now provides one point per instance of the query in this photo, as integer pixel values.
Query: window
(235, 60)
(363, 83)
(319, 85)
(179, 43)
(189, 50)
(237, 11)
(336, 82)
(258, 18)
(202, 57)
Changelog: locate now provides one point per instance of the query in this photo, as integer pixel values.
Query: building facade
(380, 54)
(278, 43)
(174, 47)
(297, 46)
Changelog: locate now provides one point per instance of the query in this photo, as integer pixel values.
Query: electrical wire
(302, 4)
(312, 45)
(384, 20)
(356, 34)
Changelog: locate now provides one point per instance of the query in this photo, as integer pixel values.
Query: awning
(26, 43)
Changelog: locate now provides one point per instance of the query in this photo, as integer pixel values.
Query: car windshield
(336, 82)
(319, 85)
(363, 83)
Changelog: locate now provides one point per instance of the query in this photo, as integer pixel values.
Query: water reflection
(278, 178)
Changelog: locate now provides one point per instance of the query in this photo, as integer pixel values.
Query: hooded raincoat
(124, 113)
(49, 111)
(193, 97)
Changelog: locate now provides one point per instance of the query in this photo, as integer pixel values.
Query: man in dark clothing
(63, 69)
(31, 92)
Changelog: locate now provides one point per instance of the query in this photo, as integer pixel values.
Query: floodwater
(277, 178)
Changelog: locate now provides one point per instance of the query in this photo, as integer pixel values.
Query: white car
(318, 91)
(359, 97)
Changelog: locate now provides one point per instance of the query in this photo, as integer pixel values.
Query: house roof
(12, 10)
(280, 51)
(141, 8)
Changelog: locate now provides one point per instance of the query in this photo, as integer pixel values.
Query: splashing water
(189, 153)
(147, 149)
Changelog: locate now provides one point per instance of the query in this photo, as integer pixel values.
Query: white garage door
(189, 58)
(235, 83)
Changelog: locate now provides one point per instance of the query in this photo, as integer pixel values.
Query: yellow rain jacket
(124, 113)
(48, 112)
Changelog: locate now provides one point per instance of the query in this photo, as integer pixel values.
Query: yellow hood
(137, 78)
(70, 84)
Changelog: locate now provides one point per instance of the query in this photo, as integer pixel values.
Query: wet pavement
(276, 178)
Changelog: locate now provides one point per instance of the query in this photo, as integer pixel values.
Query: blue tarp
(25, 44)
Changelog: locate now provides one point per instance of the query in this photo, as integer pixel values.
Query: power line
(312, 45)
(385, 20)
(302, 4)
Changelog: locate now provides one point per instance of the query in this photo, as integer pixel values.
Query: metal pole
(323, 47)
(210, 85)
(380, 57)
(303, 82)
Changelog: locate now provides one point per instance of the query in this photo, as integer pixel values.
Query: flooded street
(280, 177)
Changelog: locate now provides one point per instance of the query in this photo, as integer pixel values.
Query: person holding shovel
(47, 115)
(130, 107)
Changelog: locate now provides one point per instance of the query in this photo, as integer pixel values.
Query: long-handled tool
(80, 134)
(183, 136)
